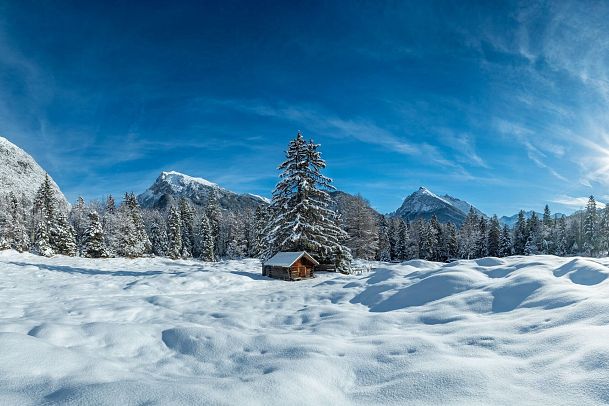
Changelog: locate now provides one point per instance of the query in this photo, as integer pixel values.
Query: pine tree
(533, 244)
(174, 234)
(62, 236)
(302, 219)
(469, 235)
(43, 216)
(429, 242)
(453, 241)
(482, 238)
(214, 217)
(206, 239)
(156, 228)
(494, 237)
(16, 235)
(520, 234)
(547, 241)
(79, 221)
(603, 232)
(93, 245)
(438, 239)
(138, 222)
(562, 245)
(591, 228)
(187, 227)
(260, 221)
(110, 204)
(384, 249)
(505, 242)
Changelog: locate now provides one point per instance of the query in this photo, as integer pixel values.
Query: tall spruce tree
(505, 242)
(494, 237)
(384, 249)
(93, 245)
(301, 215)
(206, 240)
(520, 234)
(174, 234)
(590, 228)
(187, 227)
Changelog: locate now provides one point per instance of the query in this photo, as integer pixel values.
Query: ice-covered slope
(522, 330)
(170, 186)
(20, 173)
(424, 204)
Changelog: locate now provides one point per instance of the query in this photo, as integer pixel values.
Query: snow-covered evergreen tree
(214, 216)
(452, 241)
(603, 232)
(62, 236)
(236, 247)
(482, 238)
(561, 239)
(533, 244)
(494, 237)
(301, 214)
(384, 249)
(15, 234)
(93, 245)
(520, 234)
(79, 221)
(187, 227)
(43, 217)
(469, 235)
(505, 242)
(591, 228)
(156, 227)
(174, 234)
(206, 240)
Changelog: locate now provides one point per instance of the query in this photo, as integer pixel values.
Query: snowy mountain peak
(424, 204)
(180, 180)
(172, 185)
(21, 174)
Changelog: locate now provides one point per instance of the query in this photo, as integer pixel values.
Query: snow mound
(518, 330)
(583, 272)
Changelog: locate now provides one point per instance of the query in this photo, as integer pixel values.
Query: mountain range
(20, 173)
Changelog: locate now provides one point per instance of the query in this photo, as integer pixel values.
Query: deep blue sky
(504, 105)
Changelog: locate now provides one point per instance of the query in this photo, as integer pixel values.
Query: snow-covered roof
(288, 258)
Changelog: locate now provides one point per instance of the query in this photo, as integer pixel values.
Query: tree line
(305, 214)
(390, 238)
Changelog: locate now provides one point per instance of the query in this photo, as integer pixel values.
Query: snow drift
(152, 331)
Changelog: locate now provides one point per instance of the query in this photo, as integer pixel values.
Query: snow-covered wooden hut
(290, 266)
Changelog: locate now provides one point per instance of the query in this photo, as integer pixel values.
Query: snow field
(520, 330)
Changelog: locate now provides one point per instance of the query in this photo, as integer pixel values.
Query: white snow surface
(21, 174)
(521, 330)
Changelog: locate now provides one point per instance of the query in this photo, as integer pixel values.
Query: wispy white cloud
(359, 129)
(575, 202)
